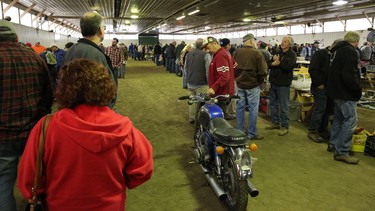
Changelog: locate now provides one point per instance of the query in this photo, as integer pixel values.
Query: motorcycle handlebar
(184, 98)
(206, 98)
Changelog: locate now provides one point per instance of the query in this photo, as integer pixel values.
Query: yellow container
(359, 142)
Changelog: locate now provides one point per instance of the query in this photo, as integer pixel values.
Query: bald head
(90, 23)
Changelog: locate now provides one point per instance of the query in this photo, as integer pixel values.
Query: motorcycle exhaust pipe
(217, 189)
(252, 189)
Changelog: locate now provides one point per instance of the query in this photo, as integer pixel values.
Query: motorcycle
(222, 153)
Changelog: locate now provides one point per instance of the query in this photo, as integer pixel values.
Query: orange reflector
(219, 150)
(253, 147)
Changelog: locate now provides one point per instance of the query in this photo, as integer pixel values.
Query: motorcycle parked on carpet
(222, 152)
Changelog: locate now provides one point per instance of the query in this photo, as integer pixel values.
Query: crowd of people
(83, 79)
(85, 142)
(218, 67)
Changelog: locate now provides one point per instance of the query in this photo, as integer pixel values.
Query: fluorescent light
(193, 12)
(134, 16)
(181, 17)
(246, 20)
(340, 2)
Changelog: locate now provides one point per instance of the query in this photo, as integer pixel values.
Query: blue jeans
(115, 74)
(184, 78)
(157, 62)
(319, 116)
(9, 156)
(171, 64)
(122, 70)
(343, 126)
(252, 96)
(279, 105)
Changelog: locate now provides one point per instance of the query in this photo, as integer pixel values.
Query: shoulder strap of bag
(39, 158)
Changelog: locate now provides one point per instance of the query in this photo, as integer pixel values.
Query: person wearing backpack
(51, 62)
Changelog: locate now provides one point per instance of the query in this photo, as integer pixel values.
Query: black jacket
(344, 81)
(319, 67)
(282, 75)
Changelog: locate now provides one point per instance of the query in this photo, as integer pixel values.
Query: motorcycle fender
(242, 159)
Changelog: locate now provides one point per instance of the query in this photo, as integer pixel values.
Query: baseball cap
(248, 37)
(53, 44)
(316, 42)
(7, 27)
(208, 40)
(69, 44)
(224, 42)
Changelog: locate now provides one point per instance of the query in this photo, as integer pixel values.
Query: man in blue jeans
(344, 86)
(281, 76)
(26, 96)
(250, 75)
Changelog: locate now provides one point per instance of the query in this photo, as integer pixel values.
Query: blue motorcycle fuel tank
(208, 112)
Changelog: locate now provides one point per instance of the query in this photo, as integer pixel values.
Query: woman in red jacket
(91, 153)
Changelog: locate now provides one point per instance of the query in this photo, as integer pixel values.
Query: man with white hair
(280, 77)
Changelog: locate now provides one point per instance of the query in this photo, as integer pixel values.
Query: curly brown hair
(84, 81)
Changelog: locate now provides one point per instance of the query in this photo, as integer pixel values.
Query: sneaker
(313, 135)
(346, 159)
(273, 126)
(331, 148)
(257, 137)
(283, 131)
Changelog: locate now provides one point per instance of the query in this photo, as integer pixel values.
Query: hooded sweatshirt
(91, 155)
(344, 81)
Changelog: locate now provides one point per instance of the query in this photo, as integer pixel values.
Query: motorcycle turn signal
(253, 147)
(219, 150)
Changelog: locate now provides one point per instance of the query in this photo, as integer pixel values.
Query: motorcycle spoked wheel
(235, 189)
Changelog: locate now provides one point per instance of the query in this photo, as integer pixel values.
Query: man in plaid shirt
(25, 96)
(117, 57)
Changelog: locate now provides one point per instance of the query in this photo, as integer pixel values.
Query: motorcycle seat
(224, 133)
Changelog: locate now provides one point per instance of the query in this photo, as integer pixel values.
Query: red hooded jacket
(91, 155)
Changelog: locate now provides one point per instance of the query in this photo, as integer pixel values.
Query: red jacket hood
(95, 128)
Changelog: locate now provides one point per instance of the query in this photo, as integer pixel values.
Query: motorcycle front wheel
(235, 189)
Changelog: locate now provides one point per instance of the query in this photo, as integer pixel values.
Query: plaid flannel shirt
(25, 91)
(116, 55)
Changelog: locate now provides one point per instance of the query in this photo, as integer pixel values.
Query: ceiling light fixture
(193, 12)
(340, 2)
(181, 17)
(134, 16)
(246, 20)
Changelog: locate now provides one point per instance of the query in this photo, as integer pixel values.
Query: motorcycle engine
(202, 149)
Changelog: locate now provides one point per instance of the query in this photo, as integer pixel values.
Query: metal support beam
(10, 6)
(39, 14)
(27, 10)
(339, 19)
(320, 23)
(368, 18)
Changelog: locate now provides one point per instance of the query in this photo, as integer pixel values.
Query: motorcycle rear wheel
(235, 189)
